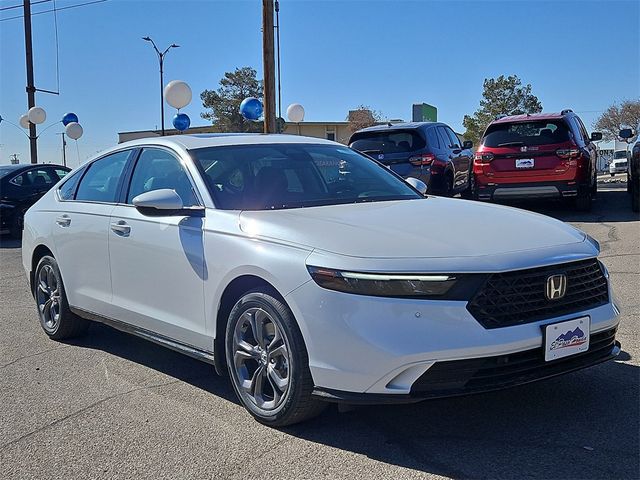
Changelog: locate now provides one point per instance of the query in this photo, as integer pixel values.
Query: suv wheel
(448, 185)
(635, 195)
(471, 192)
(268, 362)
(56, 319)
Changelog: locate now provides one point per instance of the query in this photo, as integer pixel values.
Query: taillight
(483, 157)
(422, 160)
(568, 153)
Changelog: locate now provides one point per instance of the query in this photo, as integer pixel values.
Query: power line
(52, 10)
(20, 6)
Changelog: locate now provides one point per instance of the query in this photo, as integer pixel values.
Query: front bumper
(521, 191)
(382, 347)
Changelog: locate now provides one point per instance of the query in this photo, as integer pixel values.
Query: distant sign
(423, 112)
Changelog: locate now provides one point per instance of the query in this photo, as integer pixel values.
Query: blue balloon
(181, 121)
(69, 118)
(251, 108)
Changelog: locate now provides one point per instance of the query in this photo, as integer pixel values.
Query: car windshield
(394, 141)
(526, 133)
(621, 154)
(275, 176)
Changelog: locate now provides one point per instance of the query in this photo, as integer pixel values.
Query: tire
(583, 202)
(448, 185)
(635, 195)
(17, 225)
(271, 376)
(471, 192)
(56, 319)
(613, 174)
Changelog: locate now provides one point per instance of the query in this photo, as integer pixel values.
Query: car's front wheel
(268, 362)
(56, 319)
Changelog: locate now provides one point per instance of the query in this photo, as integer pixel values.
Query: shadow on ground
(7, 241)
(581, 425)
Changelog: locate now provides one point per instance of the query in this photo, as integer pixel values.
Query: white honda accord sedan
(311, 273)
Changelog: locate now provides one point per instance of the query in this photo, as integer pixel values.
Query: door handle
(121, 228)
(63, 220)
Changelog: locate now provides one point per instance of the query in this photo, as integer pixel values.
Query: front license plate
(525, 163)
(566, 338)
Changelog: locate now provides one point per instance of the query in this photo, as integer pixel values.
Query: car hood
(423, 228)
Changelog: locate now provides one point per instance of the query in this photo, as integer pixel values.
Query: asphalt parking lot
(111, 405)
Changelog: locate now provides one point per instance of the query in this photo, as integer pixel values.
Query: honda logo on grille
(556, 286)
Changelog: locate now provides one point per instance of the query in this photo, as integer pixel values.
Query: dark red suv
(544, 155)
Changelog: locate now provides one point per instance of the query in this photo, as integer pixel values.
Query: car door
(461, 160)
(81, 228)
(157, 262)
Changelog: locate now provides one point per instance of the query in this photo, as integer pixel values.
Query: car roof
(398, 126)
(203, 140)
(530, 116)
(16, 167)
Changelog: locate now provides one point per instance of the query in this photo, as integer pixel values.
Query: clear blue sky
(335, 55)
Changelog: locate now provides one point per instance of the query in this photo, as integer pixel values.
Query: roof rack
(565, 111)
(499, 116)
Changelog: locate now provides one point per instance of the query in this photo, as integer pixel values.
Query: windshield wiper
(510, 144)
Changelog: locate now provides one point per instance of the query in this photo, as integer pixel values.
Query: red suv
(544, 155)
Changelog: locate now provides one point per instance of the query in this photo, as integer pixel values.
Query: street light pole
(31, 89)
(161, 56)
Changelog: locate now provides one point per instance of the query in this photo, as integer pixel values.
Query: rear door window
(444, 138)
(388, 142)
(455, 141)
(432, 139)
(68, 189)
(100, 183)
(541, 132)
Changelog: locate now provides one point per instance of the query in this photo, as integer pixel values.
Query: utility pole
(31, 89)
(64, 149)
(277, 27)
(268, 62)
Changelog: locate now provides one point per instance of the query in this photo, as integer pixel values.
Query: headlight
(383, 284)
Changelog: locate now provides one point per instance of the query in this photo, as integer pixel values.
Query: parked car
(307, 272)
(633, 169)
(619, 163)
(20, 187)
(545, 155)
(428, 151)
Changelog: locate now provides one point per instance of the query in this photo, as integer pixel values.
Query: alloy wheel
(261, 359)
(48, 297)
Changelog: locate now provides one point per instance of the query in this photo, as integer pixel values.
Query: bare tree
(362, 117)
(617, 117)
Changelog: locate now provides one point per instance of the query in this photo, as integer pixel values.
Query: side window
(445, 141)
(576, 131)
(583, 130)
(432, 139)
(455, 141)
(100, 183)
(68, 189)
(36, 178)
(157, 169)
(20, 180)
(61, 173)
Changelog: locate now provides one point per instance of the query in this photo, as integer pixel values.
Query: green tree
(223, 104)
(617, 117)
(500, 96)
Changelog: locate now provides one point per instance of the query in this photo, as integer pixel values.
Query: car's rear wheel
(635, 195)
(448, 185)
(56, 319)
(268, 362)
(471, 192)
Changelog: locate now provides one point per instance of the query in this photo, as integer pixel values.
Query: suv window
(432, 138)
(540, 132)
(444, 137)
(393, 141)
(455, 141)
(156, 169)
(100, 183)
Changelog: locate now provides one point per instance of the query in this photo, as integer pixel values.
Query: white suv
(311, 273)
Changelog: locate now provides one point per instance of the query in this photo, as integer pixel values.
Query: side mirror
(467, 145)
(163, 202)
(417, 184)
(626, 133)
(596, 136)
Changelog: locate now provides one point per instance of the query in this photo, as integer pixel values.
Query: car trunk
(532, 161)
(392, 147)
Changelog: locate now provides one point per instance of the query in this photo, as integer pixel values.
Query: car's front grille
(491, 373)
(514, 298)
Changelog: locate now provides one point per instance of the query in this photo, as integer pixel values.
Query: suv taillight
(483, 157)
(422, 160)
(568, 153)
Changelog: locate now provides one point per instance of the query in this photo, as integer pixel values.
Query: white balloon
(37, 115)
(24, 121)
(177, 94)
(74, 130)
(295, 112)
